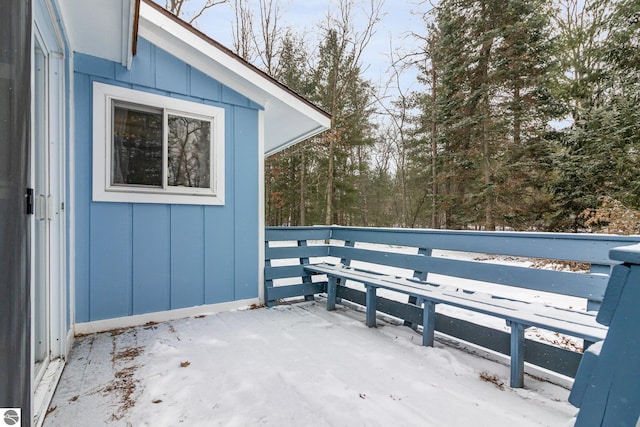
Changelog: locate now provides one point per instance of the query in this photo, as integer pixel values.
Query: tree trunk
(434, 143)
(330, 181)
(303, 201)
(517, 117)
(485, 52)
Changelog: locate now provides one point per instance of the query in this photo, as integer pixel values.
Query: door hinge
(28, 197)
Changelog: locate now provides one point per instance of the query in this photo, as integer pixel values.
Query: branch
(209, 4)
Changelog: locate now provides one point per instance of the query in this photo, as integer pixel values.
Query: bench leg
(413, 301)
(517, 354)
(428, 323)
(331, 293)
(371, 306)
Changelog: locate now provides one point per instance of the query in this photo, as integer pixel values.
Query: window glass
(189, 152)
(137, 146)
(150, 148)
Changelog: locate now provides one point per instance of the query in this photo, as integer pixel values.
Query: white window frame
(104, 191)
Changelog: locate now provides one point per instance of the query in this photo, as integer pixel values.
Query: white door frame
(50, 40)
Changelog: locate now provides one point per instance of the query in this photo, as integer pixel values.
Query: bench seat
(519, 315)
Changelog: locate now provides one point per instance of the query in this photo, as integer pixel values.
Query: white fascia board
(280, 105)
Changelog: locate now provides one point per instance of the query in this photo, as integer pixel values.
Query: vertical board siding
(219, 253)
(111, 264)
(172, 75)
(151, 258)
(143, 71)
(95, 66)
(203, 86)
(246, 219)
(141, 258)
(187, 256)
(82, 189)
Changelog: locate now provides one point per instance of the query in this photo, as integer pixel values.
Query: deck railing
(288, 249)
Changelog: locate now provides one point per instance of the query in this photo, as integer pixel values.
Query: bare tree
(243, 35)
(176, 7)
(351, 44)
(268, 42)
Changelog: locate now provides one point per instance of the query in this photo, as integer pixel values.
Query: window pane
(189, 152)
(137, 147)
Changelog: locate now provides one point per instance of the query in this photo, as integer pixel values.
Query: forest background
(525, 116)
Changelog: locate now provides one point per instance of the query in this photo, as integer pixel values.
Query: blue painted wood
(187, 256)
(151, 258)
(428, 323)
(246, 195)
(571, 322)
(605, 270)
(272, 273)
(517, 354)
(143, 67)
(82, 188)
(171, 73)
(291, 252)
(275, 234)
(562, 246)
(371, 307)
(111, 261)
(230, 96)
(269, 300)
(331, 293)
(280, 292)
(590, 286)
(202, 86)
(304, 260)
(587, 366)
(418, 275)
(94, 66)
(612, 395)
(555, 359)
(619, 275)
(349, 246)
(219, 250)
(628, 254)
(200, 274)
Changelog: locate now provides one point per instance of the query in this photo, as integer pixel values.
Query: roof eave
(195, 48)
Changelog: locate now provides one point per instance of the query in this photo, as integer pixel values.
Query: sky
(399, 20)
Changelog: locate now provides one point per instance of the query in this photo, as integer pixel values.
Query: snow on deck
(292, 365)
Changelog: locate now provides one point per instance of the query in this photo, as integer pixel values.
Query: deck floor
(293, 365)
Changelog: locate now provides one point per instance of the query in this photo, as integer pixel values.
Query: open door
(47, 222)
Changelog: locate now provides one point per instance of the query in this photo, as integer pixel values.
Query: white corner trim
(261, 207)
(71, 205)
(128, 19)
(160, 316)
(71, 337)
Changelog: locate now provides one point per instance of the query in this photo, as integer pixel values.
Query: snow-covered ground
(293, 365)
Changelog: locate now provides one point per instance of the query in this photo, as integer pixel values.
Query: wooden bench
(519, 315)
(456, 260)
(607, 385)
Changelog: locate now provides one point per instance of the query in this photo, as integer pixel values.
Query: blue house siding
(140, 258)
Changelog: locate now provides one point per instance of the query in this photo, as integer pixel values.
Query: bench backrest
(589, 249)
(295, 246)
